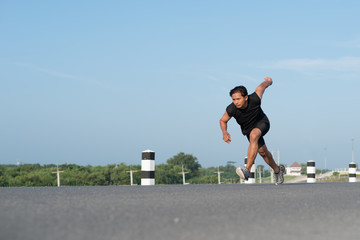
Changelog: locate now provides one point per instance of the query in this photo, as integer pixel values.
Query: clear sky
(98, 82)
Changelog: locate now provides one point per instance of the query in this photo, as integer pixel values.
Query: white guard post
(352, 172)
(148, 168)
(311, 171)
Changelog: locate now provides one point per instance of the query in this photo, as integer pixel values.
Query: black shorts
(264, 126)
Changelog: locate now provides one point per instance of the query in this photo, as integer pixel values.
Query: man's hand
(268, 80)
(223, 125)
(227, 137)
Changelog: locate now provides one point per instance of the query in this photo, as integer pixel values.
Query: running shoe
(280, 175)
(244, 173)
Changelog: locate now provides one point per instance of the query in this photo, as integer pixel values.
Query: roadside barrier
(311, 172)
(148, 168)
(352, 172)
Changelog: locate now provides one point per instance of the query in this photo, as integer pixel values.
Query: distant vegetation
(117, 174)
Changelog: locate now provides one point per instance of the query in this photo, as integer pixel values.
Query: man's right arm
(223, 125)
(261, 88)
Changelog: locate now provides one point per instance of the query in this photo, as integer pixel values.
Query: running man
(246, 109)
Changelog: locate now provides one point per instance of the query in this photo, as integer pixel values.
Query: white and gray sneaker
(243, 173)
(280, 175)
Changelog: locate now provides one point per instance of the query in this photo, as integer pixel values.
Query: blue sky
(97, 82)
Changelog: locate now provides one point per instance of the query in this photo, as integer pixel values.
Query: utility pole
(278, 163)
(259, 171)
(325, 149)
(264, 171)
(218, 172)
(131, 176)
(352, 150)
(183, 174)
(58, 175)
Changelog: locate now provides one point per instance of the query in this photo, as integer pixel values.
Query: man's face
(239, 101)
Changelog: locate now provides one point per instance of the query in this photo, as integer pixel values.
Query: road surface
(259, 211)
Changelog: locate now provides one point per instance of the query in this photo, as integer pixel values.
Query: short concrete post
(311, 171)
(352, 172)
(148, 168)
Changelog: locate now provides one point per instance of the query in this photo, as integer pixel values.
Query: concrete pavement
(289, 211)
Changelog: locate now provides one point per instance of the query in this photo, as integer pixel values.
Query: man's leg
(254, 137)
(268, 158)
(279, 170)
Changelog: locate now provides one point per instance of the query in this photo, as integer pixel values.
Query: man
(246, 109)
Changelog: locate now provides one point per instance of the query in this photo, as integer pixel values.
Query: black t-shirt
(248, 117)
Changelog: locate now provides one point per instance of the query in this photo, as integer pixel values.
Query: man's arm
(223, 125)
(261, 88)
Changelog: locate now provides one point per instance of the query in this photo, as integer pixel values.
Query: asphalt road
(289, 211)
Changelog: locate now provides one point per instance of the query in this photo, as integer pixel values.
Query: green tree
(120, 176)
(189, 161)
(168, 174)
(208, 179)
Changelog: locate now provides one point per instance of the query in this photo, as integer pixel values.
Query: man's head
(239, 96)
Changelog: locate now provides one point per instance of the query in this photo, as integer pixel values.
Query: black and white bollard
(148, 168)
(251, 179)
(352, 172)
(311, 171)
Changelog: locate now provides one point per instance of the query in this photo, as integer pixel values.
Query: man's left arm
(261, 88)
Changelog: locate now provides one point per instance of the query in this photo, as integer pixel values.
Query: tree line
(32, 175)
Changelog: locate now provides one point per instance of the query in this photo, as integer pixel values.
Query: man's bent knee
(255, 135)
